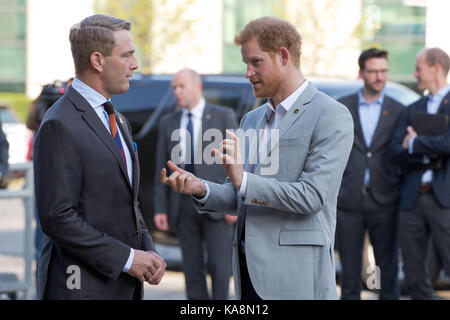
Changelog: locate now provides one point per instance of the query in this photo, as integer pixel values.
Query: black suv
(150, 97)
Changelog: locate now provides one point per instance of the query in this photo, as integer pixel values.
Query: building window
(12, 45)
(396, 26)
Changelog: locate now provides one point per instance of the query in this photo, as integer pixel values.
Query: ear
(285, 56)
(97, 61)
(360, 74)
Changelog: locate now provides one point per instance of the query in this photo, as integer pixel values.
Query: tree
(143, 14)
(329, 39)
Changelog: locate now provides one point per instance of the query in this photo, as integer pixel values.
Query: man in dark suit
(198, 121)
(87, 177)
(369, 191)
(425, 201)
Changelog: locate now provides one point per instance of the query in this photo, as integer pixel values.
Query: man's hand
(160, 265)
(161, 222)
(147, 266)
(181, 180)
(410, 134)
(230, 156)
(229, 219)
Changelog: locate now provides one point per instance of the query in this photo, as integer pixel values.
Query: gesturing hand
(181, 180)
(230, 156)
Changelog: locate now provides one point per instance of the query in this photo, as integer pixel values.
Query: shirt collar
(94, 98)
(440, 94)
(197, 111)
(287, 103)
(363, 102)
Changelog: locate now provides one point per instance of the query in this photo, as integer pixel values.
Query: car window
(141, 96)
(224, 96)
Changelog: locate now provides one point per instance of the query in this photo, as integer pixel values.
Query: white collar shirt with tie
(196, 118)
(96, 100)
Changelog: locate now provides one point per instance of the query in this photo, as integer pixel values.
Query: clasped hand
(147, 266)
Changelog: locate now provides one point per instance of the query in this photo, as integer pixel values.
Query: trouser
(197, 232)
(381, 223)
(426, 219)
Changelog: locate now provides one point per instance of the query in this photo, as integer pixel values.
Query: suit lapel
(386, 111)
(129, 143)
(90, 116)
(354, 110)
(445, 103)
(294, 113)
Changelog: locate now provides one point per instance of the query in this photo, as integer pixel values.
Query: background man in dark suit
(195, 231)
(86, 184)
(369, 190)
(425, 201)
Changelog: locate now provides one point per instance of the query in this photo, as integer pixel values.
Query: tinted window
(224, 96)
(142, 96)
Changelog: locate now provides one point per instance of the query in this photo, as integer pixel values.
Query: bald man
(424, 203)
(194, 122)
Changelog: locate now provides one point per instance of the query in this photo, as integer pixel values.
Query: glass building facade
(394, 25)
(12, 45)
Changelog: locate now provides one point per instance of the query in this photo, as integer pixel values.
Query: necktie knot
(108, 107)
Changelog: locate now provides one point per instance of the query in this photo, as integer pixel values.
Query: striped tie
(113, 126)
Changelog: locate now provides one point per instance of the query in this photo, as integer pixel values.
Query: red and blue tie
(113, 126)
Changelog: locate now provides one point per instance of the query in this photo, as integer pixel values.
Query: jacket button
(233, 244)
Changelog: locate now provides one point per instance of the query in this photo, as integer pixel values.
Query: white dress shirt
(369, 115)
(96, 101)
(196, 118)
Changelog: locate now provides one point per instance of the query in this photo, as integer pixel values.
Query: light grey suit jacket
(290, 215)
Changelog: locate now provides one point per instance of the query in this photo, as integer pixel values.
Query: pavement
(171, 287)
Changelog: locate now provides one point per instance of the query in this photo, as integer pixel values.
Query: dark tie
(190, 145)
(113, 126)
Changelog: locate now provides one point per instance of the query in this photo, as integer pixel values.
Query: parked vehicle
(150, 97)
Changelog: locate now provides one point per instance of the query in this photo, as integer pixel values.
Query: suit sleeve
(397, 153)
(330, 147)
(59, 181)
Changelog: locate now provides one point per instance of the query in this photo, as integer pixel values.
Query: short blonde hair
(272, 34)
(94, 33)
(438, 56)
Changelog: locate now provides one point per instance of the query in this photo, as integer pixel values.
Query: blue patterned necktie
(190, 146)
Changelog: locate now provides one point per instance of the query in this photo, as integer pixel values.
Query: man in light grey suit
(284, 241)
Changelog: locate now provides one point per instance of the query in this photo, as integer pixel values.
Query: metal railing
(16, 234)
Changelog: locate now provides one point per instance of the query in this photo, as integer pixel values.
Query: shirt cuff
(411, 142)
(243, 189)
(127, 266)
(205, 198)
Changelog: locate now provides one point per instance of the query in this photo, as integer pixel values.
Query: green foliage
(150, 19)
(17, 102)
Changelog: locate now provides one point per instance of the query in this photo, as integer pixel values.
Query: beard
(269, 86)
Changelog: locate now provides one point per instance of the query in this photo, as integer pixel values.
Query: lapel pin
(385, 112)
(120, 119)
(296, 111)
(445, 101)
(208, 116)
